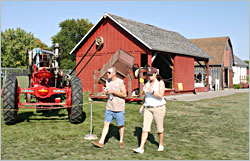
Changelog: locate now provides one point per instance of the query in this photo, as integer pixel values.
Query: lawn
(211, 129)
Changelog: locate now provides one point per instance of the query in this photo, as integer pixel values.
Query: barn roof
(213, 46)
(239, 62)
(154, 38)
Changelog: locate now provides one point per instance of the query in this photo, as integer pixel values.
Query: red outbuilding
(170, 52)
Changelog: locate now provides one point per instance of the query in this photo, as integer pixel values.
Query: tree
(41, 45)
(247, 61)
(71, 32)
(13, 47)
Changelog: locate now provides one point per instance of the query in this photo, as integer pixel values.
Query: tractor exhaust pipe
(57, 50)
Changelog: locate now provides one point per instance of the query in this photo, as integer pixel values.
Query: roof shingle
(160, 39)
(239, 62)
(214, 46)
(154, 38)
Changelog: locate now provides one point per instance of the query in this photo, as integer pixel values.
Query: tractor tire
(76, 113)
(10, 107)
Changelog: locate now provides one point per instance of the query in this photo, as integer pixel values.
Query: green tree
(247, 61)
(71, 32)
(41, 44)
(13, 47)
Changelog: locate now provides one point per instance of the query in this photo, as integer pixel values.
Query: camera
(105, 89)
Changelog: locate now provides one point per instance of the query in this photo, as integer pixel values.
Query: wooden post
(129, 85)
(223, 77)
(207, 71)
(95, 82)
(140, 84)
(172, 67)
(149, 59)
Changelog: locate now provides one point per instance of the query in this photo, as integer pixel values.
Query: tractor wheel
(76, 113)
(10, 107)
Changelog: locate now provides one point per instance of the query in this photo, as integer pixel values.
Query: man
(116, 90)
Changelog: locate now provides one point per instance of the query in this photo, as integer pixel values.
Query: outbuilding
(221, 65)
(169, 51)
(240, 71)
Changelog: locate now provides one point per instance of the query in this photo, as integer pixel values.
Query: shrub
(237, 86)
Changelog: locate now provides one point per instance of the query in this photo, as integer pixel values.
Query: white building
(240, 71)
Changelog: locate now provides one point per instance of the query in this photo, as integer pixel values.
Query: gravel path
(204, 95)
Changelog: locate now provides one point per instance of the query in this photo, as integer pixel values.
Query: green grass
(211, 129)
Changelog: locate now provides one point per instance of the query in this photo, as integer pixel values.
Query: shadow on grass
(151, 138)
(24, 116)
(45, 115)
(51, 112)
(113, 132)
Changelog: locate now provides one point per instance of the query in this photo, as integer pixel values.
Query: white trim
(153, 57)
(106, 14)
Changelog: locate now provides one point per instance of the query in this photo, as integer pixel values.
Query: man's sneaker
(139, 150)
(161, 148)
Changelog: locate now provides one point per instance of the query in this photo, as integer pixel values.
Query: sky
(192, 19)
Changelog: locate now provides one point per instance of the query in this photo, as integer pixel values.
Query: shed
(240, 71)
(170, 52)
(222, 62)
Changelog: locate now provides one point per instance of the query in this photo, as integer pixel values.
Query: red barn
(170, 52)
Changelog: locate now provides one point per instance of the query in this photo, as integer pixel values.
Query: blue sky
(194, 19)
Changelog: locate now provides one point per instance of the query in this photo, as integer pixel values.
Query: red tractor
(48, 88)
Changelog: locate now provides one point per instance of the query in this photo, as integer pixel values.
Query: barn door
(226, 82)
(164, 63)
(144, 60)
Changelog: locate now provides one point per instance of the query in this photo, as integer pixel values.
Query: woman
(153, 107)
